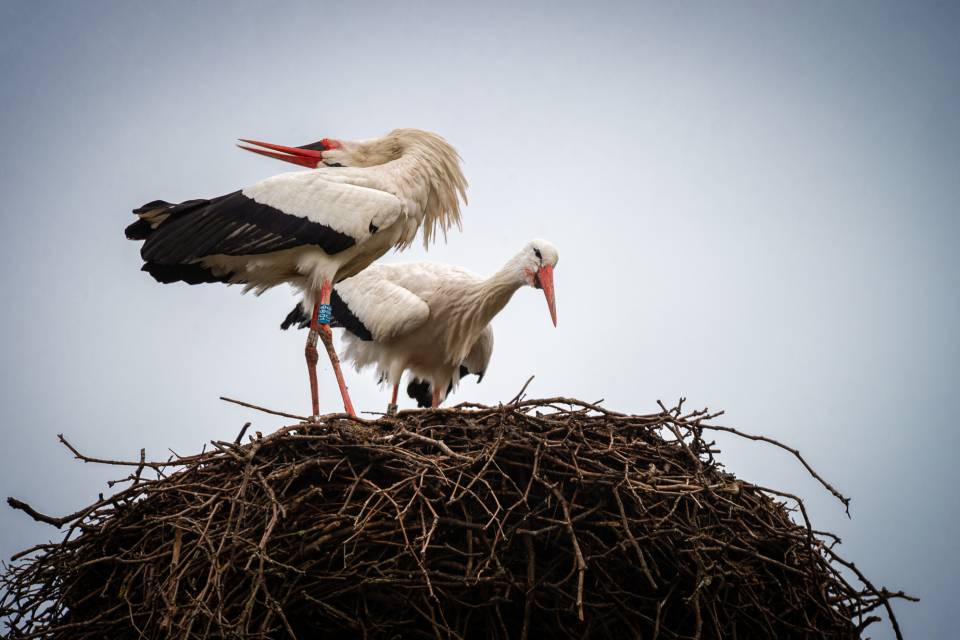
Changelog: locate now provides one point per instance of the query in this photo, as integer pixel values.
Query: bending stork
(309, 228)
(427, 317)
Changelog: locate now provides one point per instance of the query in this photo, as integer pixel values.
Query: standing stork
(311, 228)
(427, 317)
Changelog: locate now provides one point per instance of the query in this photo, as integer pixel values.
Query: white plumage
(429, 318)
(476, 363)
(310, 229)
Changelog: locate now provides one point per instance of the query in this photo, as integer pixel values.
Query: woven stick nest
(539, 519)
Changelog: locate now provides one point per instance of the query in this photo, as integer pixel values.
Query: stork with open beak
(427, 318)
(312, 228)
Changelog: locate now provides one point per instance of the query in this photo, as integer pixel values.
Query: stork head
(309, 155)
(335, 153)
(536, 263)
(434, 167)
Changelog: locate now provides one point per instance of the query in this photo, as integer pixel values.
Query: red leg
(436, 397)
(311, 353)
(326, 334)
(392, 407)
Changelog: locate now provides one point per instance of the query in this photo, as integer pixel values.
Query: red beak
(545, 278)
(306, 156)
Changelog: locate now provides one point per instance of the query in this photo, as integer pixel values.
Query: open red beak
(306, 156)
(545, 279)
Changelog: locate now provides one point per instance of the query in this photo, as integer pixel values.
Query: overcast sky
(755, 206)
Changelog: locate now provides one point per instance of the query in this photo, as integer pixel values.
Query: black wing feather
(343, 317)
(420, 390)
(189, 273)
(233, 224)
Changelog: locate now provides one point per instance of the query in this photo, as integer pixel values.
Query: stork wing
(377, 308)
(281, 212)
(479, 357)
(371, 306)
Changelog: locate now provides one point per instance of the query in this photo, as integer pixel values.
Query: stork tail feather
(297, 317)
(188, 273)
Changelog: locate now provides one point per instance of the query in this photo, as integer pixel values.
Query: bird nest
(538, 519)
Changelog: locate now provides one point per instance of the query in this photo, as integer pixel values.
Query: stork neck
(473, 309)
(429, 179)
(496, 291)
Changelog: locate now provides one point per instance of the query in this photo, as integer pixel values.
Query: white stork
(428, 318)
(309, 228)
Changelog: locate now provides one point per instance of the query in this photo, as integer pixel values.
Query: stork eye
(537, 253)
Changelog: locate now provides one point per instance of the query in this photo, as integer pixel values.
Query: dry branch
(540, 518)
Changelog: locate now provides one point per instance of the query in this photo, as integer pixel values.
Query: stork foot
(392, 406)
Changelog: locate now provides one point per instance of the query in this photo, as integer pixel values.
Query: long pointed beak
(306, 156)
(545, 276)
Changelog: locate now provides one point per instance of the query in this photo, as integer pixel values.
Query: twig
(842, 498)
(40, 517)
(519, 395)
(140, 464)
(581, 563)
(270, 411)
(239, 437)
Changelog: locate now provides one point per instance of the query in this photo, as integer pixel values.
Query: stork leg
(392, 407)
(436, 397)
(323, 331)
(326, 334)
(310, 351)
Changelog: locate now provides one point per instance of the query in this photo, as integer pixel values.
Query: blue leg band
(325, 314)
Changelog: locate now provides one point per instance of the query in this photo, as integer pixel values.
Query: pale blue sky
(755, 205)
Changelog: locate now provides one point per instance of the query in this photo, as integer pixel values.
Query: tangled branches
(543, 518)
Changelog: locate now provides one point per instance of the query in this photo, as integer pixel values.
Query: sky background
(756, 206)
